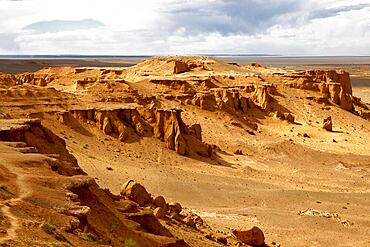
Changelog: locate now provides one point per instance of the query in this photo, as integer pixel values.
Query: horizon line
(152, 55)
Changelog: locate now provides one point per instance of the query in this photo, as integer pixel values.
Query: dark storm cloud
(229, 17)
(63, 25)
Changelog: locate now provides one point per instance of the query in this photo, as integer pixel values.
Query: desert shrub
(130, 243)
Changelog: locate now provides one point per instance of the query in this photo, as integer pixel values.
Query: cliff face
(334, 85)
(233, 100)
(165, 125)
(35, 79)
(7, 80)
(261, 96)
(43, 140)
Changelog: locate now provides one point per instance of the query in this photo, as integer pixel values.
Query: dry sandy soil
(238, 145)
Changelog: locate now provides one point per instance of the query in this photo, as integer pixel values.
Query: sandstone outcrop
(165, 125)
(7, 80)
(190, 85)
(32, 132)
(334, 85)
(180, 67)
(35, 79)
(181, 85)
(262, 97)
(228, 100)
(234, 100)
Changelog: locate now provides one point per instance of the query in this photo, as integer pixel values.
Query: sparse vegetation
(4, 188)
(48, 228)
(52, 230)
(130, 243)
(90, 237)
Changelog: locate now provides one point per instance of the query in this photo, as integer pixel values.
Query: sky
(178, 27)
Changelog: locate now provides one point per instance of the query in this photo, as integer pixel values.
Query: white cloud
(291, 27)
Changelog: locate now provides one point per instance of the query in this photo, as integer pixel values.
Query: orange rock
(189, 221)
(289, 117)
(176, 207)
(180, 67)
(196, 131)
(262, 97)
(159, 201)
(328, 124)
(253, 237)
(136, 192)
(159, 212)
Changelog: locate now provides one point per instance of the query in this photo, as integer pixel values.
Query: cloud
(330, 12)
(290, 27)
(63, 25)
(229, 17)
(7, 43)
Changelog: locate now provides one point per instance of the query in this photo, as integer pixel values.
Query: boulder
(253, 237)
(175, 216)
(159, 201)
(289, 117)
(159, 212)
(136, 192)
(328, 124)
(279, 115)
(176, 207)
(189, 221)
(150, 223)
(128, 206)
(196, 131)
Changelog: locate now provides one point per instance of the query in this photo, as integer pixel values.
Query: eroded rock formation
(35, 79)
(165, 125)
(334, 85)
(262, 97)
(81, 212)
